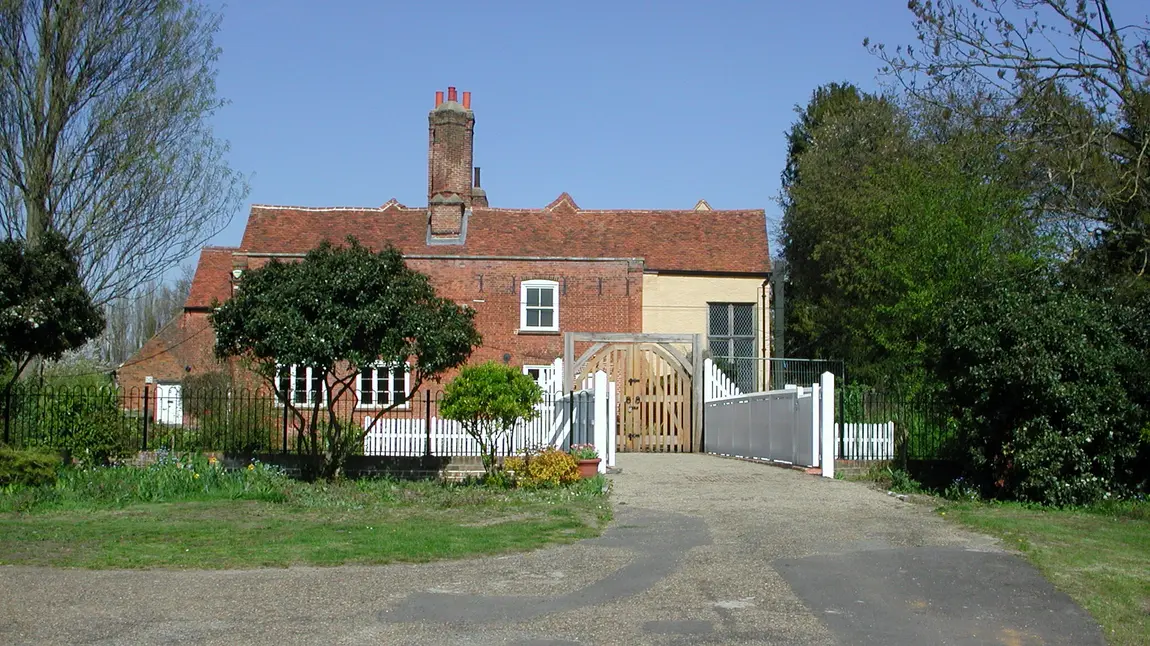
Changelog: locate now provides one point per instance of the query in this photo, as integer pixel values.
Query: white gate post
(816, 426)
(708, 381)
(827, 418)
(601, 423)
(555, 383)
(612, 421)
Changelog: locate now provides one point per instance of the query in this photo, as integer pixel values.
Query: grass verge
(198, 516)
(1100, 556)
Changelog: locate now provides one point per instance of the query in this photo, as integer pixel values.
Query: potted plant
(588, 459)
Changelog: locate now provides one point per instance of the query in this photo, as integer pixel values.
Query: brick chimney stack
(451, 131)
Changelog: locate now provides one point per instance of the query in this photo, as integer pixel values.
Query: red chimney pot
(467, 100)
(451, 96)
(438, 99)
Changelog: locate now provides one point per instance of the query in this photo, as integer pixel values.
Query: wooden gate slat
(653, 396)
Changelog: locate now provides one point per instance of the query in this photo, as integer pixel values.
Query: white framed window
(302, 384)
(541, 374)
(539, 306)
(382, 385)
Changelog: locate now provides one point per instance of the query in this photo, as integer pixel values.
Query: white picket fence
(716, 384)
(406, 437)
(585, 416)
(866, 441)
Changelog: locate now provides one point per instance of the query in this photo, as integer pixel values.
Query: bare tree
(104, 134)
(1069, 81)
(137, 317)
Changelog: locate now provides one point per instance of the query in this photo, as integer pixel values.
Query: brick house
(530, 274)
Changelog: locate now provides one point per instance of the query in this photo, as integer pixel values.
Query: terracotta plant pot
(589, 468)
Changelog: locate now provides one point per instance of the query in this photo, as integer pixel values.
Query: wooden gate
(653, 396)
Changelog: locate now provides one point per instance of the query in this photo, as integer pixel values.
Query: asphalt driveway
(703, 551)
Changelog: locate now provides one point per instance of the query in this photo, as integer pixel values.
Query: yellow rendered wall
(678, 304)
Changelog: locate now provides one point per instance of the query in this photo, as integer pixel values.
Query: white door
(169, 406)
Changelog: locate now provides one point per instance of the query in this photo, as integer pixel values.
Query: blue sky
(621, 104)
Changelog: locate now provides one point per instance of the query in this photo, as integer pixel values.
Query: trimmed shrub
(547, 468)
(27, 468)
(488, 400)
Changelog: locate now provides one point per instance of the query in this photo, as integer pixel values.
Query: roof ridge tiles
(397, 206)
(288, 207)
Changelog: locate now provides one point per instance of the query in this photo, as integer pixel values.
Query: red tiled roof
(681, 240)
(212, 277)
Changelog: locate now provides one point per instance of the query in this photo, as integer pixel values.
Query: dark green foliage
(226, 418)
(1040, 378)
(488, 399)
(84, 423)
(499, 480)
(902, 482)
(338, 310)
(27, 468)
(44, 308)
(984, 236)
(242, 423)
(201, 393)
(884, 222)
(838, 141)
(827, 103)
(1078, 104)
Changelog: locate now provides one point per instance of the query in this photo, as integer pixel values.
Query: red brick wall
(604, 296)
(186, 342)
(594, 296)
(450, 149)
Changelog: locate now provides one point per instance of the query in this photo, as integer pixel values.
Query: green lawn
(119, 519)
(1099, 556)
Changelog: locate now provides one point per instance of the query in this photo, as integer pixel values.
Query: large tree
(1069, 82)
(889, 213)
(840, 138)
(105, 135)
(337, 311)
(44, 309)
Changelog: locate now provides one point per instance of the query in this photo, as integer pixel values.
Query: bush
(242, 423)
(1039, 376)
(488, 400)
(902, 482)
(961, 491)
(27, 468)
(75, 373)
(85, 423)
(202, 393)
(499, 480)
(547, 468)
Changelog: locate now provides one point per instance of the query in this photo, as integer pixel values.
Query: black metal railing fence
(250, 421)
(894, 425)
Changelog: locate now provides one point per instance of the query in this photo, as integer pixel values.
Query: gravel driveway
(703, 550)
